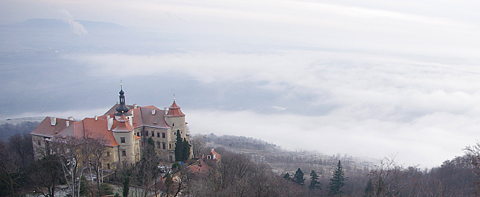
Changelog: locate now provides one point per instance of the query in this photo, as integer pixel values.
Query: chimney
(135, 106)
(68, 123)
(96, 118)
(166, 110)
(110, 123)
(70, 118)
(53, 121)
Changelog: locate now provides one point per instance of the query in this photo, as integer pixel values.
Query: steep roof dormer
(123, 125)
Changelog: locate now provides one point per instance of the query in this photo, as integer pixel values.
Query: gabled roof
(113, 110)
(46, 129)
(153, 117)
(91, 128)
(150, 116)
(214, 155)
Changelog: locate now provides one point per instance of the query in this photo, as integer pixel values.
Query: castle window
(163, 145)
(158, 134)
(169, 146)
(108, 166)
(163, 135)
(138, 133)
(153, 134)
(124, 153)
(146, 133)
(108, 154)
(39, 143)
(122, 139)
(158, 145)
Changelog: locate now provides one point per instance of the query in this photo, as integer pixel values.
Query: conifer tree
(298, 177)
(179, 147)
(369, 188)
(314, 184)
(286, 176)
(337, 181)
(185, 150)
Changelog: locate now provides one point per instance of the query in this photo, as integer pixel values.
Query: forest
(248, 167)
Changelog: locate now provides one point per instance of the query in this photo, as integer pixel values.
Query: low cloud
(76, 27)
(422, 111)
(426, 142)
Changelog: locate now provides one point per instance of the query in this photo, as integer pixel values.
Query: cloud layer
(369, 78)
(423, 112)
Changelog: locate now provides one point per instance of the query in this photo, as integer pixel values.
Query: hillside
(282, 160)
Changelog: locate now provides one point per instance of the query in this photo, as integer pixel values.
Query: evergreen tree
(337, 181)
(186, 150)
(286, 176)
(369, 188)
(179, 147)
(298, 177)
(126, 183)
(314, 184)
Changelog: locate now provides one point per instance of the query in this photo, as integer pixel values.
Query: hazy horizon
(367, 79)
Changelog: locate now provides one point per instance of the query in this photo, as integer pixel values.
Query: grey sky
(366, 78)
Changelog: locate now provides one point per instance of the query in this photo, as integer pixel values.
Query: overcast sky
(366, 78)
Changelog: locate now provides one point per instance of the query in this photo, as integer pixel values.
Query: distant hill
(282, 160)
(9, 129)
(61, 24)
(58, 37)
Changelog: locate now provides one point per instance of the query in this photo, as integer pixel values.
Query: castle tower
(123, 133)
(176, 119)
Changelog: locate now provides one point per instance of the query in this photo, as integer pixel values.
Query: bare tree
(385, 178)
(473, 154)
(8, 169)
(74, 155)
(46, 175)
(198, 143)
(98, 156)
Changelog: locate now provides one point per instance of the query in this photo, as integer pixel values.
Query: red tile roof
(93, 129)
(123, 125)
(199, 167)
(45, 128)
(174, 110)
(153, 117)
(97, 127)
(214, 155)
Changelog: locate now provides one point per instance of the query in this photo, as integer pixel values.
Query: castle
(124, 129)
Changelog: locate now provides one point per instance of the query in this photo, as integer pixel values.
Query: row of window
(163, 145)
(152, 133)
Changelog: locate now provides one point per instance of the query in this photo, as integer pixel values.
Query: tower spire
(122, 109)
